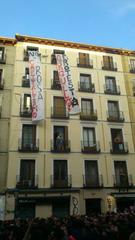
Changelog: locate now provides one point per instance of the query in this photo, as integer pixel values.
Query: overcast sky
(99, 22)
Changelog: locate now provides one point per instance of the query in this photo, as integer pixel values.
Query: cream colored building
(93, 168)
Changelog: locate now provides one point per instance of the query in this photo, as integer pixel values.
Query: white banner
(66, 84)
(36, 84)
(2, 207)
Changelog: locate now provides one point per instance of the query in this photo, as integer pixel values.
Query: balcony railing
(60, 146)
(123, 181)
(23, 183)
(118, 147)
(1, 84)
(55, 84)
(26, 112)
(28, 147)
(85, 63)
(115, 116)
(109, 66)
(90, 147)
(90, 183)
(132, 68)
(61, 183)
(59, 112)
(25, 81)
(88, 115)
(112, 90)
(86, 87)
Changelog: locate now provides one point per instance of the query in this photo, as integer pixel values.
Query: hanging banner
(66, 84)
(36, 84)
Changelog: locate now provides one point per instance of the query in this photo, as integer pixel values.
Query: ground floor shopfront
(62, 202)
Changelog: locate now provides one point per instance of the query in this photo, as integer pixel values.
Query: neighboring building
(93, 168)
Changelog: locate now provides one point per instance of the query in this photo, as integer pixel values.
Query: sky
(98, 22)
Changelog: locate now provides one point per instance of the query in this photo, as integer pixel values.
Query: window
(108, 63)
(26, 108)
(60, 139)
(89, 137)
(56, 82)
(91, 173)
(85, 82)
(60, 173)
(121, 173)
(84, 60)
(2, 55)
(27, 174)
(53, 58)
(28, 141)
(1, 79)
(59, 110)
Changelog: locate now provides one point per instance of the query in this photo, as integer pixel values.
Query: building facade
(69, 164)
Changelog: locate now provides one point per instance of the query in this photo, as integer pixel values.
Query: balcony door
(117, 140)
(110, 83)
(87, 106)
(59, 107)
(60, 138)
(89, 138)
(91, 174)
(85, 81)
(27, 105)
(113, 109)
(60, 173)
(56, 81)
(108, 62)
(84, 59)
(121, 173)
(28, 136)
(27, 172)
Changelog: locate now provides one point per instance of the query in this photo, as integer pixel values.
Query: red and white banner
(66, 84)
(36, 84)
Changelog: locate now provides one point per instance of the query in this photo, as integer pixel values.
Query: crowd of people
(109, 226)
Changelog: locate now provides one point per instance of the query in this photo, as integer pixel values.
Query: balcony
(90, 147)
(112, 90)
(115, 116)
(55, 84)
(1, 84)
(59, 113)
(26, 183)
(26, 112)
(86, 87)
(61, 183)
(25, 81)
(60, 147)
(132, 68)
(123, 181)
(28, 147)
(109, 66)
(88, 115)
(90, 183)
(84, 63)
(118, 147)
